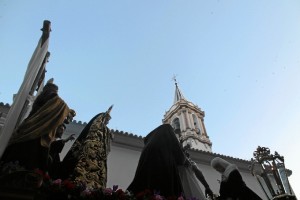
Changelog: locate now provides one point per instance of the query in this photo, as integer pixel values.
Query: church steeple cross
(174, 79)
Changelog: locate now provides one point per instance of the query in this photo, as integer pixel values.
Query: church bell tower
(187, 119)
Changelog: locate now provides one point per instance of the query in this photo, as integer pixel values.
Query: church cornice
(205, 157)
(79, 122)
(181, 105)
(206, 141)
(127, 140)
(126, 134)
(74, 122)
(4, 104)
(120, 138)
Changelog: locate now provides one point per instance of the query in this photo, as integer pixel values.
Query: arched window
(196, 124)
(176, 125)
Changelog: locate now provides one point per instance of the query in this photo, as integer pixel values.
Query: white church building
(186, 118)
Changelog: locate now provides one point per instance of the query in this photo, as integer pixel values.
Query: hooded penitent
(232, 185)
(157, 167)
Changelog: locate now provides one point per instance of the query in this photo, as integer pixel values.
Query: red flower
(120, 194)
(68, 184)
(143, 194)
(45, 176)
(172, 198)
(38, 171)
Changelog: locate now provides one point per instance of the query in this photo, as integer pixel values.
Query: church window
(176, 125)
(196, 124)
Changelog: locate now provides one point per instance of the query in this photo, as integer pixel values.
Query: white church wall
(253, 184)
(121, 165)
(213, 177)
(125, 153)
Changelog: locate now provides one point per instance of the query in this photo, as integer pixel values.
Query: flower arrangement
(59, 189)
(68, 190)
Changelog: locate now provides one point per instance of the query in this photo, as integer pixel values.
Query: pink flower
(107, 191)
(86, 192)
(180, 198)
(57, 182)
(158, 197)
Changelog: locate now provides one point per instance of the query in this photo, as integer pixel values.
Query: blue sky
(237, 60)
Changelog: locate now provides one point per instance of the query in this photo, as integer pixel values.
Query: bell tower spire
(187, 119)
(178, 95)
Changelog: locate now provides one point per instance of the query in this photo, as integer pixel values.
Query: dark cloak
(88, 155)
(30, 141)
(69, 162)
(157, 167)
(54, 162)
(235, 188)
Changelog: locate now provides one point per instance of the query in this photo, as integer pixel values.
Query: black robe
(235, 188)
(157, 167)
(86, 161)
(30, 141)
(54, 162)
(30, 155)
(69, 162)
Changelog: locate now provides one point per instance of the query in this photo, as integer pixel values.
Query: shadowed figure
(30, 141)
(157, 167)
(55, 149)
(86, 161)
(232, 185)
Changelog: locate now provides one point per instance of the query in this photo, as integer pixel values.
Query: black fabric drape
(30, 154)
(157, 167)
(54, 162)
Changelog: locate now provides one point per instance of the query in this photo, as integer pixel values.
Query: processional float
(270, 171)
